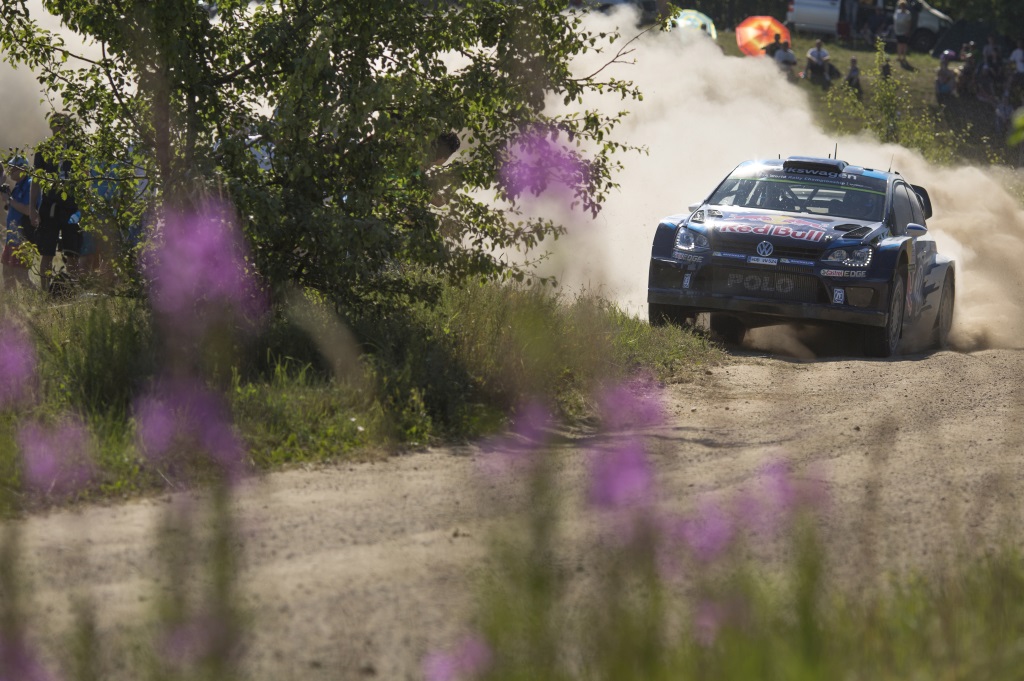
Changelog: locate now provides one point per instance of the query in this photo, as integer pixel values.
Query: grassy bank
(302, 385)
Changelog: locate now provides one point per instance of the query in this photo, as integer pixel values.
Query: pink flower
(621, 477)
(56, 460)
(708, 533)
(707, 622)
(635, 404)
(517, 450)
(17, 663)
(17, 367)
(199, 265)
(182, 414)
(471, 657)
(538, 162)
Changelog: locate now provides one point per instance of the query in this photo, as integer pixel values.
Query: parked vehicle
(838, 18)
(806, 240)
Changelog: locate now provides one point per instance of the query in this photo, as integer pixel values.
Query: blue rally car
(806, 240)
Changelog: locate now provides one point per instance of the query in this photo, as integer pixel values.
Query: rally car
(806, 240)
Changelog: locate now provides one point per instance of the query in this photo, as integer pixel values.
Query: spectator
(771, 48)
(903, 25)
(15, 270)
(786, 60)
(990, 54)
(51, 207)
(877, 25)
(817, 65)
(853, 78)
(945, 79)
(1017, 57)
(1016, 85)
(1004, 115)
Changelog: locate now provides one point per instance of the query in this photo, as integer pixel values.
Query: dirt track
(355, 572)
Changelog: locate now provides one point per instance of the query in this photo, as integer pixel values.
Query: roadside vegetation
(193, 379)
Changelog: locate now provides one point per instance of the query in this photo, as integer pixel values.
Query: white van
(835, 17)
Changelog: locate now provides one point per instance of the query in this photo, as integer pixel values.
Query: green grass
(424, 375)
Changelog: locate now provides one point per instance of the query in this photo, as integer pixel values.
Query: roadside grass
(427, 375)
(736, 589)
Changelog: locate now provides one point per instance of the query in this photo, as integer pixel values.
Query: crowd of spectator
(989, 80)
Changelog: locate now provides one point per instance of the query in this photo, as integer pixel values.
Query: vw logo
(764, 249)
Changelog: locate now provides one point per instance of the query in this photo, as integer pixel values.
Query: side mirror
(915, 230)
(694, 206)
(926, 201)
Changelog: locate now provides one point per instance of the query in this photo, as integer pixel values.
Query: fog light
(858, 296)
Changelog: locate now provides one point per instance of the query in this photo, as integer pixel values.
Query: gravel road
(356, 571)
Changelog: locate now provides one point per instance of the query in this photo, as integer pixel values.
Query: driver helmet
(859, 205)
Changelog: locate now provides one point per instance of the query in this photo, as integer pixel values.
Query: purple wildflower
(184, 413)
(195, 640)
(516, 450)
(537, 163)
(470, 658)
(200, 261)
(707, 622)
(17, 366)
(56, 460)
(633, 404)
(17, 663)
(622, 477)
(708, 533)
(777, 496)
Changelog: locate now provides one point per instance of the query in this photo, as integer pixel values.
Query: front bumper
(765, 295)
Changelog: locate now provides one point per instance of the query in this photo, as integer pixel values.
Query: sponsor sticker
(687, 257)
(838, 296)
(792, 261)
(844, 274)
(686, 280)
(814, 233)
(758, 260)
(734, 256)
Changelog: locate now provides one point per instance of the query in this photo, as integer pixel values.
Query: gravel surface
(357, 571)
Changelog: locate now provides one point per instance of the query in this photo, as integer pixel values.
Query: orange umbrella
(754, 33)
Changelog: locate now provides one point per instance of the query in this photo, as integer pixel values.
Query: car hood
(809, 229)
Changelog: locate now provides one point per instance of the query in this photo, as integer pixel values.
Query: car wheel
(944, 318)
(883, 341)
(729, 329)
(659, 314)
(922, 40)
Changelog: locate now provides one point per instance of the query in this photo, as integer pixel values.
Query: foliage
(318, 119)
(997, 13)
(890, 113)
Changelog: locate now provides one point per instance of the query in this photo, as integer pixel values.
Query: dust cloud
(24, 106)
(702, 114)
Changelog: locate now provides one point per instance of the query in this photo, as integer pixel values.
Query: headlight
(851, 257)
(688, 240)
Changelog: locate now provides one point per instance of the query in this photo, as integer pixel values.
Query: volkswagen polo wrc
(806, 240)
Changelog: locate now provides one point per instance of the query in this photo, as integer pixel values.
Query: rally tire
(884, 341)
(660, 314)
(944, 317)
(729, 330)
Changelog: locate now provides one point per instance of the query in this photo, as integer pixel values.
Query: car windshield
(778, 190)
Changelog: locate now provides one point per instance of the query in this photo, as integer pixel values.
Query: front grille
(747, 246)
(767, 284)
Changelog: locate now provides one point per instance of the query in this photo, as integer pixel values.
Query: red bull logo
(787, 232)
(776, 220)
